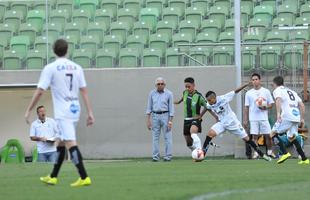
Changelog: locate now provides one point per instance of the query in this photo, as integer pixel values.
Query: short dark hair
(256, 74)
(278, 80)
(189, 80)
(209, 93)
(60, 47)
(39, 107)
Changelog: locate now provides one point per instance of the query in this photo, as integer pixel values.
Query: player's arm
(242, 87)
(301, 106)
(178, 101)
(213, 115)
(90, 117)
(278, 108)
(37, 139)
(35, 99)
(246, 116)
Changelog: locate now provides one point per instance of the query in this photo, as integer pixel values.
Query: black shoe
(167, 160)
(154, 160)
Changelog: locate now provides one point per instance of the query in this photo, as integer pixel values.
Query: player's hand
(176, 102)
(262, 107)
(245, 124)
(90, 119)
(169, 125)
(302, 123)
(43, 139)
(149, 124)
(27, 116)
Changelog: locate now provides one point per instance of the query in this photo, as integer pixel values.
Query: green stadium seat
(142, 29)
(166, 28)
(201, 54)
(53, 30)
(181, 39)
(113, 43)
(276, 36)
(181, 4)
(59, 17)
(194, 14)
(189, 27)
(206, 37)
(43, 43)
(136, 42)
(287, 11)
(29, 30)
(13, 17)
(74, 29)
(90, 6)
(20, 44)
(305, 10)
(299, 35)
(220, 13)
(111, 6)
(253, 36)
(12, 60)
(150, 16)
(222, 55)
(293, 57)
(36, 59)
(6, 32)
(263, 12)
(246, 12)
(248, 3)
(73, 42)
(81, 17)
(129, 57)
(302, 21)
(270, 57)
(229, 25)
(120, 28)
(226, 37)
(82, 57)
(224, 3)
(159, 4)
(21, 6)
(202, 4)
(248, 58)
(65, 5)
(281, 21)
(127, 15)
(152, 57)
(260, 23)
(211, 25)
(270, 3)
(90, 43)
(41, 5)
(174, 57)
(105, 58)
(159, 41)
(173, 15)
(36, 18)
(3, 6)
(97, 29)
(104, 16)
(13, 152)
(132, 4)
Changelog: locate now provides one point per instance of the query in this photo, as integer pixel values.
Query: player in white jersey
(66, 80)
(258, 114)
(290, 112)
(227, 120)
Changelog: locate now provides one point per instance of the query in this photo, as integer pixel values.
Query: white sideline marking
(230, 192)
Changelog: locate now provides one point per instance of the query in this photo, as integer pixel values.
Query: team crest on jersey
(74, 108)
(295, 112)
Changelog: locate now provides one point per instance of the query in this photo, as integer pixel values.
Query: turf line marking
(230, 192)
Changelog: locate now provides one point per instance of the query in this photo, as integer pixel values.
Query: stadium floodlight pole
(237, 14)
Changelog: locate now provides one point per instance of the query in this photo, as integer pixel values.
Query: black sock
(207, 141)
(281, 144)
(255, 147)
(77, 159)
(299, 149)
(61, 152)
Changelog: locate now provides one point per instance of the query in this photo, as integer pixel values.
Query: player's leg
(291, 133)
(187, 134)
(167, 137)
(156, 128)
(265, 130)
(254, 130)
(194, 130)
(215, 130)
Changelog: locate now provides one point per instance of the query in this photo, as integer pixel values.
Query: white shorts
(288, 127)
(221, 128)
(66, 129)
(260, 127)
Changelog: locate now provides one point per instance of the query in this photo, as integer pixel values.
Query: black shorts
(189, 123)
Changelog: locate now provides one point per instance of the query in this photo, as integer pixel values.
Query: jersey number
(291, 95)
(71, 77)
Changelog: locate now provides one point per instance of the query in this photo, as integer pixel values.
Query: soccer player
(66, 80)
(290, 112)
(227, 120)
(193, 101)
(258, 115)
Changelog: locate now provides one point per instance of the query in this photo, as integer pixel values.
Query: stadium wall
(119, 99)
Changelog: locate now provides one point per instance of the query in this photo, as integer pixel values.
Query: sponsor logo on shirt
(295, 112)
(74, 108)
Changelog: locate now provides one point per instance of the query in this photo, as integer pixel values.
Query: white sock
(196, 141)
(269, 152)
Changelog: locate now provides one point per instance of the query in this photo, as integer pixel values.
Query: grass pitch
(143, 179)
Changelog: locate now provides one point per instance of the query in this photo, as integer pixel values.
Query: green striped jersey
(193, 103)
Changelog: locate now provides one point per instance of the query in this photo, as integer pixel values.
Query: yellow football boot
(49, 180)
(304, 162)
(81, 182)
(284, 158)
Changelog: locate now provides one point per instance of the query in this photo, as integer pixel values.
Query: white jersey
(289, 103)
(48, 129)
(256, 114)
(65, 79)
(224, 112)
